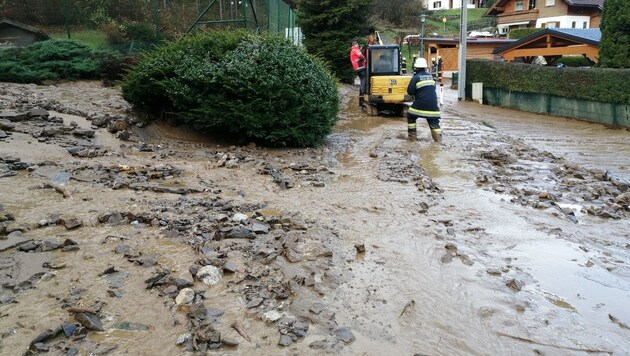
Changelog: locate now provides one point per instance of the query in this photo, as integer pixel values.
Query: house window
(437, 4)
(573, 24)
(518, 6)
(553, 24)
(532, 4)
(550, 2)
(584, 24)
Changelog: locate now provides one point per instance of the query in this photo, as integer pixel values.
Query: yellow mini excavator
(387, 86)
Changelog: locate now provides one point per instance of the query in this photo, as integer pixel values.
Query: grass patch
(92, 38)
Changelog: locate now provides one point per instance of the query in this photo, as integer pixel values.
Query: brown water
(574, 275)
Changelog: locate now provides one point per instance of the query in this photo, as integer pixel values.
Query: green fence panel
(593, 111)
(603, 113)
(622, 115)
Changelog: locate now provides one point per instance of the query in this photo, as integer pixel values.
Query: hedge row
(518, 33)
(53, 60)
(597, 84)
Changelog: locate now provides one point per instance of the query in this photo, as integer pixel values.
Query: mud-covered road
(116, 237)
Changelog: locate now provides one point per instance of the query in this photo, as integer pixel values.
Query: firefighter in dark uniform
(425, 103)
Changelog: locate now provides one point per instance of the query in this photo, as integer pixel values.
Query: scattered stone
(37, 112)
(344, 334)
(229, 342)
(28, 246)
(83, 133)
(318, 345)
(209, 275)
(14, 239)
(185, 296)
(39, 347)
(69, 329)
(494, 271)
(71, 223)
(90, 321)
(183, 338)
(229, 266)
(271, 316)
(47, 335)
(240, 218)
(240, 233)
(254, 303)
(285, 340)
(515, 284)
(114, 293)
(13, 116)
(215, 312)
(49, 245)
(259, 227)
(6, 125)
(360, 248)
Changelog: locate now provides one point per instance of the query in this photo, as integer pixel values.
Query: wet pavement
(511, 237)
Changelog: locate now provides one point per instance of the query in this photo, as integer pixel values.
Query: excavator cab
(387, 86)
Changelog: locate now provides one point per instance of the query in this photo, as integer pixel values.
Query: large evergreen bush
(257, 88)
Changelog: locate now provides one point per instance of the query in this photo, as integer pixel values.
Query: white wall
(566, 21)
(445, 4)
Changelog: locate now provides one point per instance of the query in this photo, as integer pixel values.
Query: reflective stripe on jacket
(422, 88)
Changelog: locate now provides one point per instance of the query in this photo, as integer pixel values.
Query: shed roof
(591, 36)
(25, 27)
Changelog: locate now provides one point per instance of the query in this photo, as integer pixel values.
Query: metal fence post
(156, 20)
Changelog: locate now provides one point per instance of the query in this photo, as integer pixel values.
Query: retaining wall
(593, 111)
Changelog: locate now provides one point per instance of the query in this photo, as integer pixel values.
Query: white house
(451, 4)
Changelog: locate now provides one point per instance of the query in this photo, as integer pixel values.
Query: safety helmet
(419, 63)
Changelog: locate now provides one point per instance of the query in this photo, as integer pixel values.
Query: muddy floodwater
(117, 236)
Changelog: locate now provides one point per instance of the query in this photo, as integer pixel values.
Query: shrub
(50, 60)
(575, 61)
(258, 88)
(113, 32)
(597, 84)
(518, 33)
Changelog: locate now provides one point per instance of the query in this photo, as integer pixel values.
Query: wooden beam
(590, 52)
(572, 50)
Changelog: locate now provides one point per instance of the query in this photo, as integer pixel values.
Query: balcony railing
(519, 16)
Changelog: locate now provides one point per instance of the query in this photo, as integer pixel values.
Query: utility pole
(423, 17)
(463, 36)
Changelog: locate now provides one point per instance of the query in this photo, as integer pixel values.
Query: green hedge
(597, 84)
(52, 60)
(518, 33)
(256, 88)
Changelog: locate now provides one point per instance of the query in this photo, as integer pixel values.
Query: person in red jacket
(358, 64)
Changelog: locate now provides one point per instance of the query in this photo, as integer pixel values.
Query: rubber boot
(412, 135)
(436, 134)
(361, 100)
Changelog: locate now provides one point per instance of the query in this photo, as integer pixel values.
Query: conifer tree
(614, 48)
(330, 26)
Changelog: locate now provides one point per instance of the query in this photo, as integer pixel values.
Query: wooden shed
(448, 48)
(13, 33)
